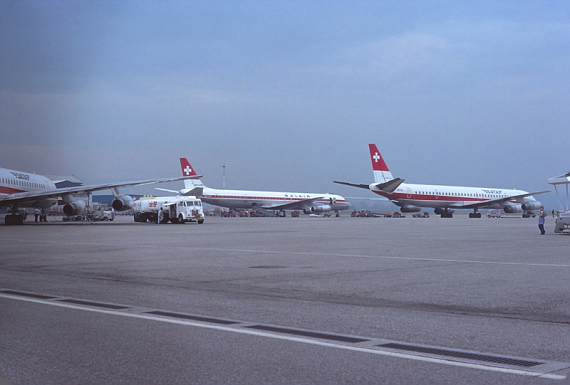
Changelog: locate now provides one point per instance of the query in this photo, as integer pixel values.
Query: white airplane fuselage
(440, 196)
(247, 199)
(14, 182)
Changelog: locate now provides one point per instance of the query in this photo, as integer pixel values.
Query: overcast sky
(288, 94)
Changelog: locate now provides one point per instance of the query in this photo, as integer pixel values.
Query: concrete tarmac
(307, 300)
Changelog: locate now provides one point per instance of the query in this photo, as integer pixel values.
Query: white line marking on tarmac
(290, 338)
(384, 257)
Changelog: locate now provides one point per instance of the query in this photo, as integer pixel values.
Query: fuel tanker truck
(176, 209)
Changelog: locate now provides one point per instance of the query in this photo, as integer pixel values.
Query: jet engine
(75, 207)
(321, 209)
(531, 205)
(439, 211)
(122, 203)
(512, 209)
(410, 209)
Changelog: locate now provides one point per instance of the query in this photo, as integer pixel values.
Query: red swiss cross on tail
(378, 163)
(192, 186)
(186, 168)
(379, 168)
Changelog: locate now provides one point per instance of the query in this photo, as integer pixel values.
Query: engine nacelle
(410, 209)
(439, 211)
(122, 203)
(76, 207)
(531, 206)
(512, 209)
(321, 209)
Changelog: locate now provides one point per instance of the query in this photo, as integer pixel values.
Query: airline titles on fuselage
(20, 175)
(22, 180)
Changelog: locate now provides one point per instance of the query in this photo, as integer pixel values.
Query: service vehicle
(176, 209)
(103, 213)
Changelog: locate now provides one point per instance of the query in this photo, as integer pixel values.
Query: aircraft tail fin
(381, 172)
(187, 170)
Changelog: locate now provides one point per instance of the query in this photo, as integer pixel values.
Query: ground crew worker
(541, 219)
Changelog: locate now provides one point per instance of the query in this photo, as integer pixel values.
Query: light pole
(223, 176)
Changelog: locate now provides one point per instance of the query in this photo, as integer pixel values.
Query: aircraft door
(409, 193)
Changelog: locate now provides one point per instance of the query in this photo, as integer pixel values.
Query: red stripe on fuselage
(324, 200)
(10, 190)
(404, 197)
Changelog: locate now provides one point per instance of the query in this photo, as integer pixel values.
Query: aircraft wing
(498, 200)
(167, 190)
(299, 205)
(17, 197)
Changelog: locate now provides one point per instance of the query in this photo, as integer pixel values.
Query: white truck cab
(184, 210)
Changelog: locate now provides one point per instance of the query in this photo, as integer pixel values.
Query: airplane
(444, 199)
(264, 200)
(21, 189)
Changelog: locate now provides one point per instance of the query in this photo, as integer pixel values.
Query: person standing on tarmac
(36, 213)
(160, 215)
(541, 219)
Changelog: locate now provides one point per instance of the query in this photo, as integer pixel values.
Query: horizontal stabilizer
(364, 186)
(194, 192)
(390, 186)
